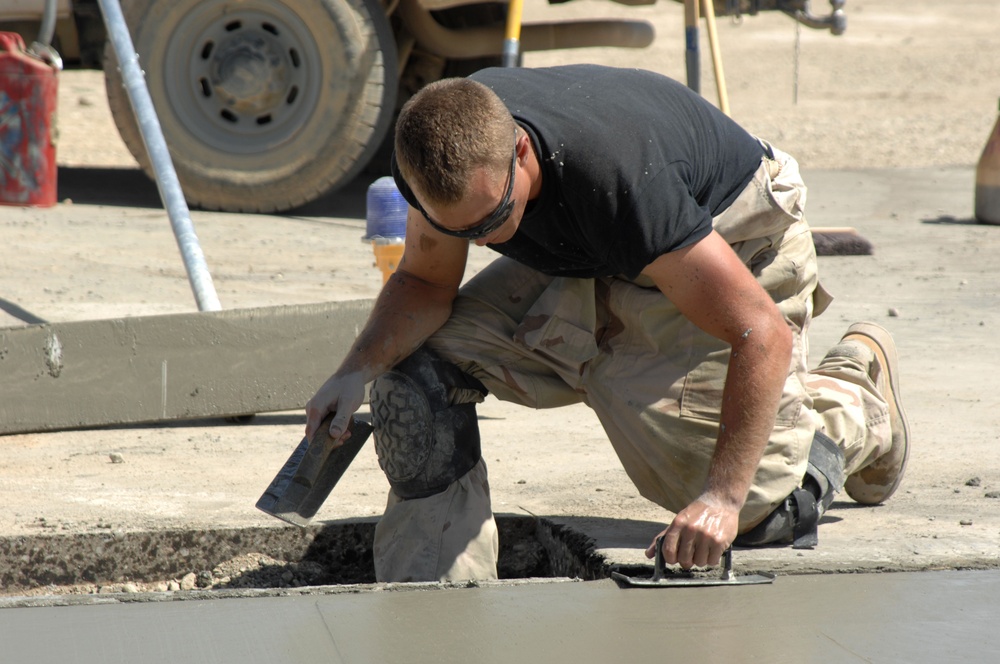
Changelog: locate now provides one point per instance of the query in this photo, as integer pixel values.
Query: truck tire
(264, 104)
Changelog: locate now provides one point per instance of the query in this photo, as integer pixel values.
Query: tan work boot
(877, 481)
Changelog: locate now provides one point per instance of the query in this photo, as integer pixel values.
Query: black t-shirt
(634, 165)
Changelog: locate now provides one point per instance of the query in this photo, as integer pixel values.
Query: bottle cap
(386, 211)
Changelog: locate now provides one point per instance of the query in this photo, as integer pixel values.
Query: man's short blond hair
(446, 131)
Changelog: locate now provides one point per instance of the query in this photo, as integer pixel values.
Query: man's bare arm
(715, 291)
(415, 301)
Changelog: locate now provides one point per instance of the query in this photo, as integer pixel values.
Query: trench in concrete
(331, 554)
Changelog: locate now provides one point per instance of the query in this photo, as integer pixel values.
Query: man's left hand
(699, 534)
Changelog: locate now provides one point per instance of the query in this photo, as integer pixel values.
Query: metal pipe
(835, 22)
(692, 58)
(485, 42)
(512, 36)
(48, 28)
(582, 34)
(156, 147)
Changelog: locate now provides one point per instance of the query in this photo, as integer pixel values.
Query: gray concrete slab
(913, 618)
(170, 366)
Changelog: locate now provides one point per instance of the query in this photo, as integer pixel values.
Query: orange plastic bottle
(988, 180)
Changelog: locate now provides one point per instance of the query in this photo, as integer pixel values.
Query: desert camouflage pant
(654, 380)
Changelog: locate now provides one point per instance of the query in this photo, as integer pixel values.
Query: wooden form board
(168, 367)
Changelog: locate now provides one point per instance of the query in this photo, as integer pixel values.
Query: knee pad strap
(796, 519)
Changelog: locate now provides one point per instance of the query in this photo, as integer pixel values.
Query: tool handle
(659, 567)
(727, 564)
(320, 447)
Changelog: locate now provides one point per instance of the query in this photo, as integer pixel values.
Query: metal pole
(512, 34)
(48, 28)
(159, 156)
(691, 56)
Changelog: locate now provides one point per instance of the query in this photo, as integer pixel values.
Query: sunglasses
(494, 220)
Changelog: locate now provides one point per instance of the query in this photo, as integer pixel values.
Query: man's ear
(522, 146)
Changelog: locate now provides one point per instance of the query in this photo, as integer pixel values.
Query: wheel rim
(252, 75)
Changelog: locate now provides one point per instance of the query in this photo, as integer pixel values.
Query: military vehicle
(268, 104)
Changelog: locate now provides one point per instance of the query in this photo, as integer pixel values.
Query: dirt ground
(889, 121)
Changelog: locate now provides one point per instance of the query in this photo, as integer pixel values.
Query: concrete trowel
(664, 578)
(311, 472)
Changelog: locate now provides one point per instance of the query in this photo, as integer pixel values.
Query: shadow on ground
(950, 220)
(130, 187)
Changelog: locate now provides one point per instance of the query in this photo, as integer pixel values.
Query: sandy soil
(907, 90)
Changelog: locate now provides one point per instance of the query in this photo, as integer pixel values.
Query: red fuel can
(27, 125)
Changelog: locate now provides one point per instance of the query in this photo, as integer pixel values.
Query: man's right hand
(342, 395)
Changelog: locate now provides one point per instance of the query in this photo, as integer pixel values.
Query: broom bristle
(840, 242)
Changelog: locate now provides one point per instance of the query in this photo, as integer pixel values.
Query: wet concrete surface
(903, 617)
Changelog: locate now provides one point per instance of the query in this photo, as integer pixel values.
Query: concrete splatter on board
(53, 355)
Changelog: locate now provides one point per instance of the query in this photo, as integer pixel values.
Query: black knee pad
(795, 521)
(425, 442)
